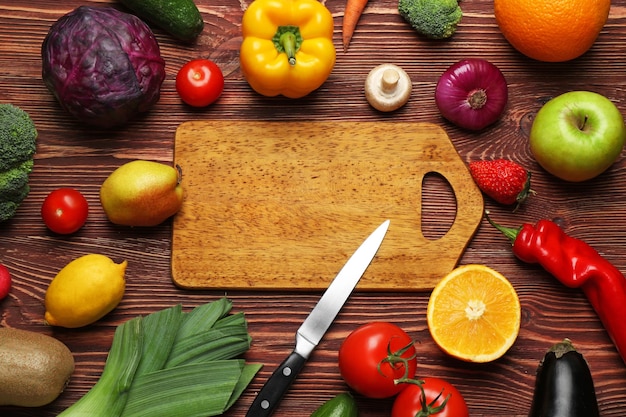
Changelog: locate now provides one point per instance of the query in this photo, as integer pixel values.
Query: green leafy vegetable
(17, 147)
(173, 363)
(435, 19)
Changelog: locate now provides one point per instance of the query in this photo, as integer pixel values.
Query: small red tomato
(64, 210)
(5, 281)
(435, 397)
(199, 82)
(373, 356)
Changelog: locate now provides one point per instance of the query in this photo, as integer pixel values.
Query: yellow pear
(141, 193)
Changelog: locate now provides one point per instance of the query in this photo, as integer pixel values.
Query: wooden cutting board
(283, 205)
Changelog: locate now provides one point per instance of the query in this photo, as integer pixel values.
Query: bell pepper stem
(288, 39)
(509, 232)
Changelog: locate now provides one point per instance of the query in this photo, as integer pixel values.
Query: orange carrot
(354, 9)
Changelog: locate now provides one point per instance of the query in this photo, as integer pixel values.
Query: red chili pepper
(577, 265)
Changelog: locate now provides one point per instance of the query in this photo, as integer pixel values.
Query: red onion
(471, 93)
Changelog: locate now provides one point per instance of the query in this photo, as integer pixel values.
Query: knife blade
(316, 324)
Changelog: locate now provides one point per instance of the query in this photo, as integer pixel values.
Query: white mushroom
(387, 87)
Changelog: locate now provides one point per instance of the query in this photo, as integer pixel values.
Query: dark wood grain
(70, 154)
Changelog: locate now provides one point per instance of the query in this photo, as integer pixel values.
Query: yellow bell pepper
(287, 46)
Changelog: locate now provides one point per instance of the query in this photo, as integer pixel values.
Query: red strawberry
(505, 181)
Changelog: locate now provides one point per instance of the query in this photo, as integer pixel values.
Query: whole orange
(551, 30)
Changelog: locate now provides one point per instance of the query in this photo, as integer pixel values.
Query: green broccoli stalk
(17, 147)
(435, 19)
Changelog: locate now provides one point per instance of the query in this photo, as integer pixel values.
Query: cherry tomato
(5, 281)
(373, 356)
(439, 398)
(64, 210)
(199, 82)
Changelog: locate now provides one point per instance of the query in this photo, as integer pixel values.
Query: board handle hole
(438, 206)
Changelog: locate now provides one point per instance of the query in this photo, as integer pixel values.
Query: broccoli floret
(17, 136)
(9, 205)
(13, 189)
(7, 210)
(436, 19)
(14, 179)
(17, 148)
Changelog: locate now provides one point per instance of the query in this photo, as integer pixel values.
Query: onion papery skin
(457, 85)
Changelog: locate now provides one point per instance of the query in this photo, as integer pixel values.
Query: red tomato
(5, 281)
(64, 210)
(373, 356)
(199, 82)
(410, 402)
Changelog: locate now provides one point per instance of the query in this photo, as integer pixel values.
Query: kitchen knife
(319, 320)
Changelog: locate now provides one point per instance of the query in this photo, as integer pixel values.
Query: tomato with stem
(429, 396)
(200, 82)
(65, 210)
(374, 356)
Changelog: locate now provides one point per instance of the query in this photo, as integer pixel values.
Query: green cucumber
(342, 405)
(179, 18)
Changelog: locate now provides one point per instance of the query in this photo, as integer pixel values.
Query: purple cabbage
(103, 66)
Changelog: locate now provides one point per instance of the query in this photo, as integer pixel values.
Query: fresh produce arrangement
(104, 67)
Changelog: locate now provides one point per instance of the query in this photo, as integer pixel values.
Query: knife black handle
(272, 392)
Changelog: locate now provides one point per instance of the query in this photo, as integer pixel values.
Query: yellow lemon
(84, 291)
(474, 314)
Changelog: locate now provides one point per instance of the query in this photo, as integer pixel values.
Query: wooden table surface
(71, 154)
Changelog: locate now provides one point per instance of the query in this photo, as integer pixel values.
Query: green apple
(141, 193)
(577, 135)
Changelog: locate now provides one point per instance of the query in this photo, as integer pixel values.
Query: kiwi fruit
(34, 368)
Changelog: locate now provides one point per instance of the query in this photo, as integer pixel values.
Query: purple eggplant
(564, 386)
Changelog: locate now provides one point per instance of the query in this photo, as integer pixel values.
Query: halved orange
(474, 314)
